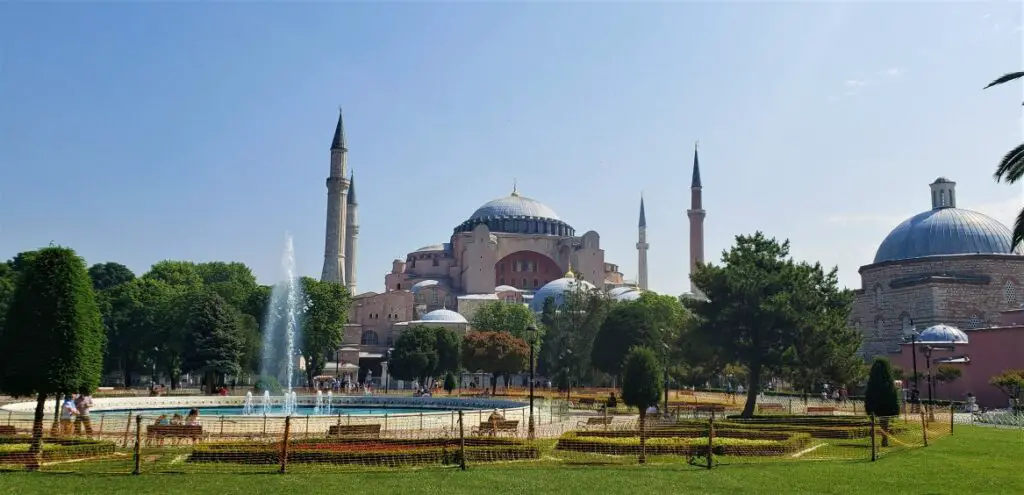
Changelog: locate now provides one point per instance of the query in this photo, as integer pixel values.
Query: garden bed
(15, 450)
(585, 442)
(383, 452)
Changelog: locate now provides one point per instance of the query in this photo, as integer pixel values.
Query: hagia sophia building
(514, 249)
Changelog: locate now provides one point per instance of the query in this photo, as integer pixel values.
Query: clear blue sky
(141, 132)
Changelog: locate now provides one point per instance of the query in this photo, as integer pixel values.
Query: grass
(974, 460)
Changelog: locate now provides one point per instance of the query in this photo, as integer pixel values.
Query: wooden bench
(161, 432)
(492, 428)
(7, 431)
(354, 431)
(598, 421)
(770, 408)
(821, 410)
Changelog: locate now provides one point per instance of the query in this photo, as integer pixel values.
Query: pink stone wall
(991, 351)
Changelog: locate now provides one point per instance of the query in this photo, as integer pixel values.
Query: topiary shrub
(881, 399)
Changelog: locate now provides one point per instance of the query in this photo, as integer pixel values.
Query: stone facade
(966, 291)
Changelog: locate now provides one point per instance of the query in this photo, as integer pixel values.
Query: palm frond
(1005, 78)
(1018, 231)
(1011, 167)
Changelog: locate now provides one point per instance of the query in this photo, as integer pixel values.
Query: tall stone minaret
(696, 214)
(351, 235)
(641, 247)
(337, 203)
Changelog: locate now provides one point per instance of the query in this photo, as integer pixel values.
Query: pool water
(276, 411)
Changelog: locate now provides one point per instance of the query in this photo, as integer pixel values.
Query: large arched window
(370, 338)
(1010, 294)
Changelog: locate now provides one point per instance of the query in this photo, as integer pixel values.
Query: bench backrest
(174, 429)
(500, 425)
(599, 421)
(353, 429)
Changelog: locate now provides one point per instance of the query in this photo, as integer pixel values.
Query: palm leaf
(1011, 167)
(1018, 231)
(1005, 78)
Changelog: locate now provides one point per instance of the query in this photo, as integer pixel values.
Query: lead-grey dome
(946, 231)
(444, 315)
(556, 290)
(517, 214)
(942, 334)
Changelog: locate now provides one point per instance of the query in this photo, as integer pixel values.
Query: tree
(1009, 382)
(216, 342)
(641, 387)
(139, 316)
(497, 353)
(1011, 167)
(652, 321)
(449, 382)
(8, 280)
(109, 275)
(570, 329)
(175, 273)
(881, 399)
(415, 354)
(501, 316)
(53, 336)
(761, 305)
(947, 373)
(323, 322)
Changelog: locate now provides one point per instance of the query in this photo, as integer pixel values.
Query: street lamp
(928, 363)
(913, 352)
(531, 332)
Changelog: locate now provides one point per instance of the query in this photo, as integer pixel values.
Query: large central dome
(945, 230)
(517, 214)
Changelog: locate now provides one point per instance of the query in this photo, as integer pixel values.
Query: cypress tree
(881, 399)
(53, 335)
(641, 386)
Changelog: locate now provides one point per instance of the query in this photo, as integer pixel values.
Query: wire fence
(561, 432)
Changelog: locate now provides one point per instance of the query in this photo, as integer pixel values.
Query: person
(176, 420)
(193, 417)
(496, 416)
(652, 411)
(612, 401)
(67, 413)
(915, 400)
(161, 420)
(972, 403)
(82, 404)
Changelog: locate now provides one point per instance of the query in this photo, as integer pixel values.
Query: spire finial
(695, 181)
(339, 134)
(570, 274)
(515, 187)
(643, 216)
(696, 145)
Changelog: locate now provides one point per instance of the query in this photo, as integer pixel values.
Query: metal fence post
(462, 443)
(138, 445)
(874, 451)
(924, 428)
(284, 444)
(711, 438)
(951, 419)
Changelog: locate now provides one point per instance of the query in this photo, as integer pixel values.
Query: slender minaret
(337, 202)
(351, 235)
(641, 247)
(696, 214)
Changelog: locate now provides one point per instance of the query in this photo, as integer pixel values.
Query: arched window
(878, 326)
(975, 321)
(1010, 294)
(369, 338)
(878, 296)
(907, 324)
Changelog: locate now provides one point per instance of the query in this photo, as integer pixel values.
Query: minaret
(696, 214)
(337, 203)
(351, 235)
(641, 247)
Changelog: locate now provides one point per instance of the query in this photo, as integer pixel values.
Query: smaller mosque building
(946, 265)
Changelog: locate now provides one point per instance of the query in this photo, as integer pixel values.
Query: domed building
(946, 267)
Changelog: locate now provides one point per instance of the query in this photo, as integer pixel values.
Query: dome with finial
(517, 214)
(444, 316)
(556, 290)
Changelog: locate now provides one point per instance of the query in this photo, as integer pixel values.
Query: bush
(585, 442)
(267, 383)
(15, 450)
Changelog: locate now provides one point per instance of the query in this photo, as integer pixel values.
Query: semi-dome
(556, 289)
(445, 316)
(517, 214)
(946, 231)
(943, 334)
(423, 284)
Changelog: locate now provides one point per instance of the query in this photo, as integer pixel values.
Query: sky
(138, 132)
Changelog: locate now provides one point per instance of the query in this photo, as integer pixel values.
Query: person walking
(67, 414)
(82, 404)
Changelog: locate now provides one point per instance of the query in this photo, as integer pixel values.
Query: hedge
(15, 450)
(583, 442)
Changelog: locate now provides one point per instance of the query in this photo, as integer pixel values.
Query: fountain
(266, 402)
(330, 401)
(319, 403)
(281, 326)
(247, 407)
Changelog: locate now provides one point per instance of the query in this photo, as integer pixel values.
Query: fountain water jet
(247, 407)
(281, 326)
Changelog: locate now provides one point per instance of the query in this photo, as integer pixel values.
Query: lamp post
(913, 352)
(531, 332)
(666, 346)
(337, 365)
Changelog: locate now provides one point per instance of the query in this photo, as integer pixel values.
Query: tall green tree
(570, 329)
(641, 386)
(9, 271)
(216, 341)
(323, 322)
(881, 399)
(175, 273)
(53, 335)
(948, 373)
(502, 316)
(653, 321)
(760, 306)
(140, 317)
(109, 275)
(497, 353)
(1011, 167)
(423, 352)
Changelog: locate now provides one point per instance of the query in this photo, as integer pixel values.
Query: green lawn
(974, 460)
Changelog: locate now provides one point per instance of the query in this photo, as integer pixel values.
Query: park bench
(493, 428)
(7, 431)
(354, 431)
(161, 432)
(770, 407)
(821, 410)
(596, 421)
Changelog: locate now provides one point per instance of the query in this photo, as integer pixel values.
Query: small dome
(620, 290)
(556, 289)
(946, 231)
(423, 284)
(629, 295)
(432, 248)
(942, 334)
(444, 315)
(505, 288)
